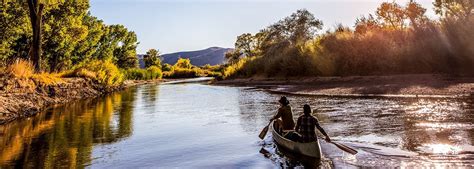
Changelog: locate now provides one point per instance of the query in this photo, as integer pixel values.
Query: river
(194, 125)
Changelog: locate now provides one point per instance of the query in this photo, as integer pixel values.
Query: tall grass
(104, 72)
(435, 47)
(21, 69)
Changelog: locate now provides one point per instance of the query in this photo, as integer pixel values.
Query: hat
(284, 101)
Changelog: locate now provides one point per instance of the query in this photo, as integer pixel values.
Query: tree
(233, 56)
(152, 58)
(36, 9)
(245, 43)
(14, 32)
(183, 63)
(392, 15)
(415, 13)
(63, 30)
(119, 45)
(458, 9)
(296, 28)
(90, 45)
(366, 24)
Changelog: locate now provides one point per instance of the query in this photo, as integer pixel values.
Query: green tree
(297, 28)
(152, 58)
(63, 31)
(183, 63)
(90, 45)
(119, 45)
(245, 44)
(14, 28)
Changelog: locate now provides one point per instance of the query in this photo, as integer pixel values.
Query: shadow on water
(63, 137)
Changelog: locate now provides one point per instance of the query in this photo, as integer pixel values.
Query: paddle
(264, 131)
(344, 147)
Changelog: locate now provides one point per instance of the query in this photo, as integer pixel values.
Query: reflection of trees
(62, 137)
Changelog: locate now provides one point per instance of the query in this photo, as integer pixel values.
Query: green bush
(167, 67)
(104, 72)
(153, 72)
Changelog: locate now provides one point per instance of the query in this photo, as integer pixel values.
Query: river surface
(202, 126)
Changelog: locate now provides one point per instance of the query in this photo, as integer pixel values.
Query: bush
(167, 67)
(153, 72)
(104, 72)
(135, 74)
(184, 73)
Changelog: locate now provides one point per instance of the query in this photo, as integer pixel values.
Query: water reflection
(63, 137)
(202, 126)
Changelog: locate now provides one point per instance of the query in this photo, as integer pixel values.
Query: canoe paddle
(264, 131)
(344, 147)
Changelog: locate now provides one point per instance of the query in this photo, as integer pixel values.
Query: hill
(212, 56)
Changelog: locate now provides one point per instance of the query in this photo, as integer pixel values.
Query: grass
(104, 72)
(21, 69)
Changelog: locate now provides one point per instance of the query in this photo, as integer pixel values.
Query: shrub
(184, 73)
(167, 67)
(183, 63)
(135, 74)
(104, 72)
(154, 72)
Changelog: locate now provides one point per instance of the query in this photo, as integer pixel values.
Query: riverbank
(21, 98)
(419, 85)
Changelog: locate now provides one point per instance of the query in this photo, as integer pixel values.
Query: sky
(186, 25)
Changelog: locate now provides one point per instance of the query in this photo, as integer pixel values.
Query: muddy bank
(25, 97)
(356, 86)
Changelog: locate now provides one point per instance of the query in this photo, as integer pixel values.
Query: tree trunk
(36, 12)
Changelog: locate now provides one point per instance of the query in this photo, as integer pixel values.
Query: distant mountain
(212, 56)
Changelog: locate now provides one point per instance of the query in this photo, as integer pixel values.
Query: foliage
(46, 79)
(184, 69)
(152, 58)
(166, 67)
(457, 9)
(104, 72)
(399, 40)
(151, 73)
(72, 36)
(183, 63)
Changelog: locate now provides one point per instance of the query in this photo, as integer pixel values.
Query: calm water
(202, 126)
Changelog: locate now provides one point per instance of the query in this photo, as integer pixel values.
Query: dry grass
(47, 79)
(21, 69)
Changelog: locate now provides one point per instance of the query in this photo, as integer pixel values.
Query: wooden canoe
(311, 149)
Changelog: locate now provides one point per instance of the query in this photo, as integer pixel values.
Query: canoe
(312, 149)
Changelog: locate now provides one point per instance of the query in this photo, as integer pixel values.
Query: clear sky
(184, 25)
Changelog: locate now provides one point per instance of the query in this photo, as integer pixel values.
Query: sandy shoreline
(424, 85)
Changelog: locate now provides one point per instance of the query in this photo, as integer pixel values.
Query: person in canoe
(286, 115)
(306, 124)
